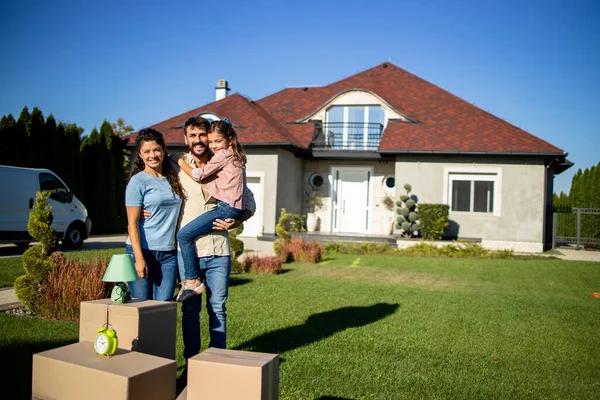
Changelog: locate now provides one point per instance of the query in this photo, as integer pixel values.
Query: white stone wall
(517, 247)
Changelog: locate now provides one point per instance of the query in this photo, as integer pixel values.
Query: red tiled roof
(444, 122)
(252, 123)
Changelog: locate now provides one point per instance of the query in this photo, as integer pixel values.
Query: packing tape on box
(270, 394)
(240, 357)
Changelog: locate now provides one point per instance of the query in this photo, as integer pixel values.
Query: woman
(154, 186)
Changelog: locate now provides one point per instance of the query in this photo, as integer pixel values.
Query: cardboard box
(76, 372)
(146, 326)
(233, 375)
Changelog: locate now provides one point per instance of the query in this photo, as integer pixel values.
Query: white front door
(351, 200)
(253, 225)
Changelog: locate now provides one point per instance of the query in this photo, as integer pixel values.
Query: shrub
(301, 251)
(284, 237)
(69, 283)
(358, 248)
(236, 247)
(261, 264)
(36, 260)
(434, 219)
(297, 222)
(408, 214)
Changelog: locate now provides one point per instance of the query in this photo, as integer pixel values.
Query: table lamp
(120, 270)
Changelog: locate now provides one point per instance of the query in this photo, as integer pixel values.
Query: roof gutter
(499, 153)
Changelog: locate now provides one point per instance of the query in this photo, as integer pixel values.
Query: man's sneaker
(190, 289)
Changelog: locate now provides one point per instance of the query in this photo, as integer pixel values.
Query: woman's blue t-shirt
(155, 195)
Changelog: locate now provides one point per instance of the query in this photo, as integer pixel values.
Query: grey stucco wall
(289, 183)
(266, 160)
(522, 193)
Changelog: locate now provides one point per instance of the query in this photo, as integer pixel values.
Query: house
(367, 135)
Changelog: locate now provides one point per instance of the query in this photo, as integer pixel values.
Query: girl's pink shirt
(224, 179)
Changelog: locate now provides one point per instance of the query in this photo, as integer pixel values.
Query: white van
(19, 187)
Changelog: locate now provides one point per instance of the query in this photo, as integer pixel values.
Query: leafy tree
(93, 152)
(74, 177)
(37, 140)
(9, 153)
(21, 142)
(122, 129)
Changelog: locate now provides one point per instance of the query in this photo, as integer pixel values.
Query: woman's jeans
(214, 270)
(162, 275)
(199, 226)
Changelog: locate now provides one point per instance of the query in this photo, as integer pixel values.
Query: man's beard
(203, 150)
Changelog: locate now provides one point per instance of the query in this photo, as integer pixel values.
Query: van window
(58, 191)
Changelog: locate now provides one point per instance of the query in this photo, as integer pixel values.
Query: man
(212, 249)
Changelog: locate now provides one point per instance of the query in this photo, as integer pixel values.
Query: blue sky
(534, 63)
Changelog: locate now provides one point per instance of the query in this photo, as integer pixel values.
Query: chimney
(221, 89)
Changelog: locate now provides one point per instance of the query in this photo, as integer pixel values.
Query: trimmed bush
(297, 222)
(284, 237)
(301, 251)
(71, 282)
(408, 214)
(358, 248)
(261, 264)
(236, 247)
(36, 260)
(434, 220)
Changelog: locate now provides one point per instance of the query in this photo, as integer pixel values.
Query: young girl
(224, 176)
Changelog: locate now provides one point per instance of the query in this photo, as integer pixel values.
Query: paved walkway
(8, 300)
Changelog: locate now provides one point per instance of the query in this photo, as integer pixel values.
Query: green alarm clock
(106, 341)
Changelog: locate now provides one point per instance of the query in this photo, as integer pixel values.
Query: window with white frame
(475, 193)
(354, 126)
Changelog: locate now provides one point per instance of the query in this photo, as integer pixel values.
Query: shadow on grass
(317, 327)
(17, 365)
(235, 281)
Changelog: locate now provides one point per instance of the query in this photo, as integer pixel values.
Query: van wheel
(74, 237)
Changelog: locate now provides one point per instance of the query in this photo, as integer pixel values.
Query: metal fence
(347, 135)
(575, 225)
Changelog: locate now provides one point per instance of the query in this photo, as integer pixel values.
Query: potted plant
(387, 222)
(314, 199)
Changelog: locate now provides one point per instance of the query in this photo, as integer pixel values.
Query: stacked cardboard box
(76, 372)
(233, 375)
(146, 326)
(143, 367)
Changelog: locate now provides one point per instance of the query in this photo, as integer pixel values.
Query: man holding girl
(212, 249)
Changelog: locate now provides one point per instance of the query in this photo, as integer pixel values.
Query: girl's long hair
(152, 135)
(225, 128)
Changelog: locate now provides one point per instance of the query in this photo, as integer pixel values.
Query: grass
(389, 327)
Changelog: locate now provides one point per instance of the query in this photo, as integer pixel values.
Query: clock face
(101, 344)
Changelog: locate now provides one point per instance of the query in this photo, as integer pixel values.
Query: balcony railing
(356, 136)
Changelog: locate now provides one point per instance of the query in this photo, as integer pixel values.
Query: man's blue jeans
(214, 270)
(162, 275)
(201, 225)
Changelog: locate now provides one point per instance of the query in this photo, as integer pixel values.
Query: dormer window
(354, 126)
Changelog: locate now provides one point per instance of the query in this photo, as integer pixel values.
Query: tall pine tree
(22, 142)
(8, 135)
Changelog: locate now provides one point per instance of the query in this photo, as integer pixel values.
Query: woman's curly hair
(152, 135)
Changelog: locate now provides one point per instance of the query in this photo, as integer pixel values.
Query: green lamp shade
(120, 269)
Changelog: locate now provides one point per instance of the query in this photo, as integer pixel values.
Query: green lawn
(386, 327)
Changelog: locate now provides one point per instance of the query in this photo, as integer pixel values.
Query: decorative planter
(311, 222)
